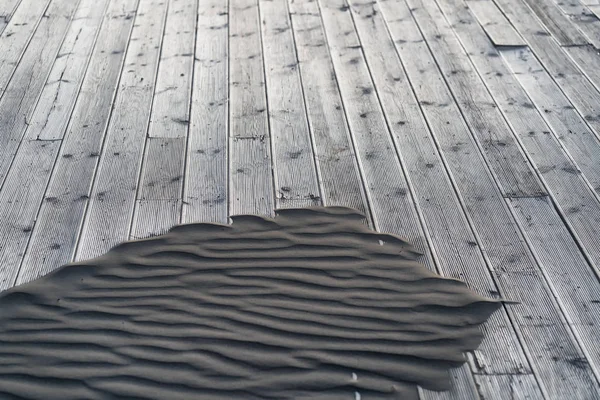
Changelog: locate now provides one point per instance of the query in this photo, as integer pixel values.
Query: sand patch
(311, 304)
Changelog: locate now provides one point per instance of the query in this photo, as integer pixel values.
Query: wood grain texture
(158, 201)
(570, 128)
(583, 95)
(336, 158)
(566, 268)
(558, 23)
(7, 9)
(454, 247)
(493, 136)
(583, 18)
(451, 230)
(515, 271)
(250, 163)
(159, 193)
(588, 60)
(496, 26)
(568, 191)
(205, 179)
(58, 223)
(294, 170)
(171, 104)
(519, 386)
(16, 36)
(387, 189)
(22, 93)
(26, 182)
(108, 216)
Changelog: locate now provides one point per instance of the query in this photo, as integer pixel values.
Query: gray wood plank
(57, 227)
(569, 191)
(158, 203)
(495, 24)
(583, 18)
(23, 91)
(503, 154)
(251, 175)
(16, 36)
(7, 9)
(205, 179)
(451, 231)
(570, 128)
(580, 91)
(336, 159)
(159, 195)
(294, 170)
(515, 271)
(171, 104)
(557, 23)
(588, 60)
(574, 282)
(27, 179)
(110, 208)
(518, 386)
(453, 244)
(388, 193)
(594, 8)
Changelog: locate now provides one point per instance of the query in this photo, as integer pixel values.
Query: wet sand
(310, 304)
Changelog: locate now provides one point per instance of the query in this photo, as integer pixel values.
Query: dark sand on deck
(310, 304)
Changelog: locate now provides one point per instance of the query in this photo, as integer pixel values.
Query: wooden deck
(469, 127)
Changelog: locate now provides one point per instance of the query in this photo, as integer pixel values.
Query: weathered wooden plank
(451, 233)
(16, 36)
(159, 193)
(570, 128)
(250, 178)
(519, 386)
(594, 7)
(557, 23)
(387, 190)
(453, 244)
(583, 18)
(503, 154)
(569, 191)
(18, 209)
(588, 60)
(7, 9)
(294, 169)
(21, 95)
(580, 91)
(26, 181)
(205, 179)
(574, 282)
(514, 269)
(108, 217)
(55, 104)
(336, 159)
(171, 104)
(56, 230)
(158, 204)
(495, 24)
(536, 36)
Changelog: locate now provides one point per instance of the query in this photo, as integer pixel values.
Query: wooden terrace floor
(469, 127)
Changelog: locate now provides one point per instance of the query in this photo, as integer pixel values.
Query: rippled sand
(311, 304)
